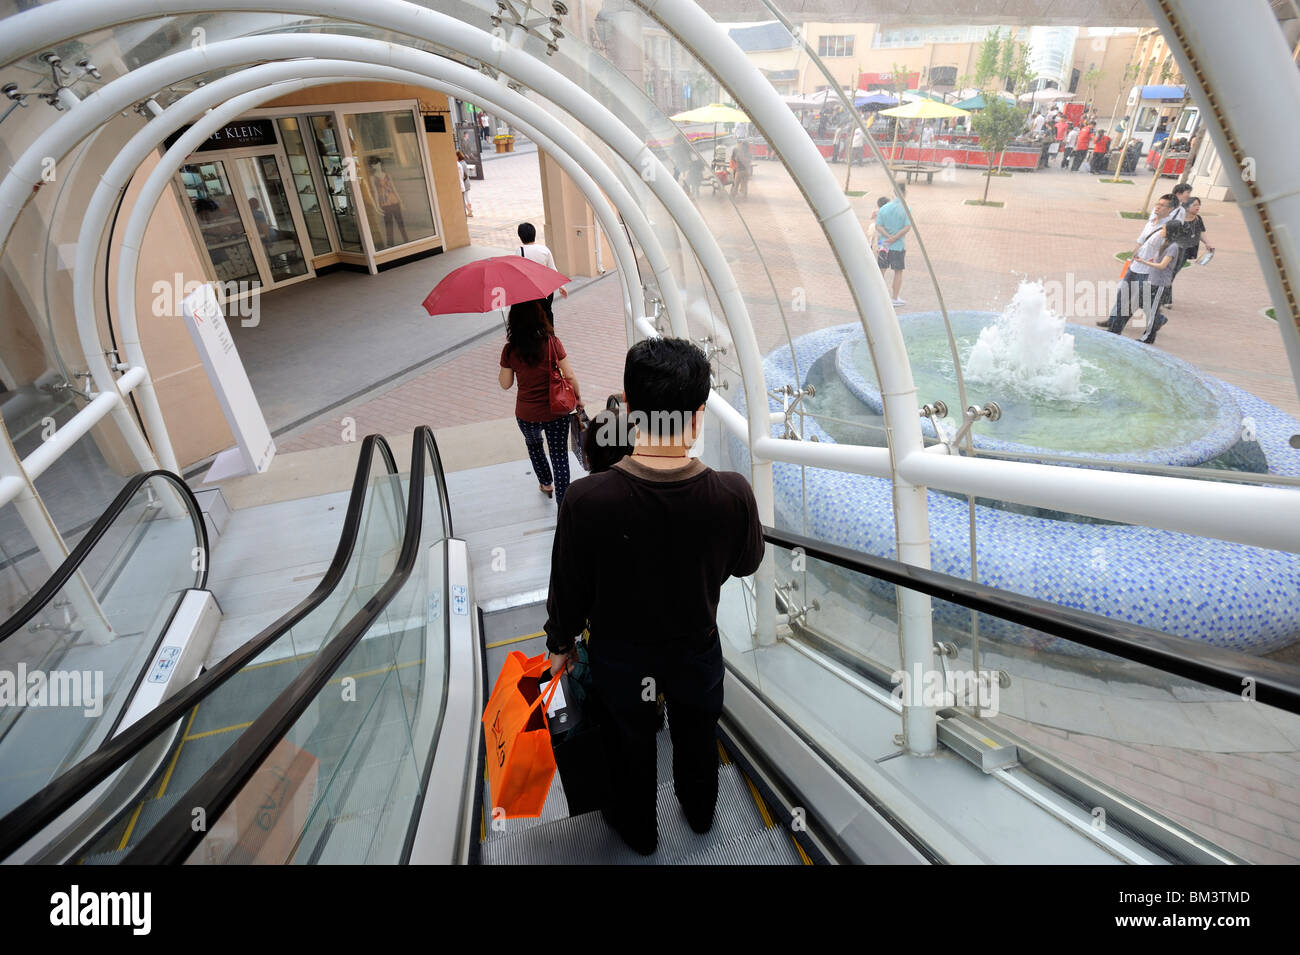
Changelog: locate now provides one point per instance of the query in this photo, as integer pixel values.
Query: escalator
(78, 649)
(156, 745)
(348, 731)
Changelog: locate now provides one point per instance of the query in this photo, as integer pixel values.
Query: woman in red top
(531, 348)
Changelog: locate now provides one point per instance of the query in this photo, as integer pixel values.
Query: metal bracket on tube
(790, 398)
(991, 410)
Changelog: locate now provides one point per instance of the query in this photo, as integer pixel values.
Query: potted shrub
(505, 142)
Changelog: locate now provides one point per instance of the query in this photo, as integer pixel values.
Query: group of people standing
(1169, 242)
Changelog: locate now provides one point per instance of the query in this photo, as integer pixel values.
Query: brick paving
(1054, 225)
(1246, 803)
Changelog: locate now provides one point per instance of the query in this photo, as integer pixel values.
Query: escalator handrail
(444, 501)
(173, 838)
(1274, 683)
(72, 563)
(34, 814)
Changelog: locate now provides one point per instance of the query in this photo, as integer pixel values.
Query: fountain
(1066, 392)
(1081, 393)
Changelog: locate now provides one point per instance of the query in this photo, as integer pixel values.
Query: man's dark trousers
(1135, 293)
(627, 680)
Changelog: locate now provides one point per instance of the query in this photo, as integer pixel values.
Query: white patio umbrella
(1046, 96)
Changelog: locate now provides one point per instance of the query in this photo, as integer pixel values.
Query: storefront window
(268, 204)
(208, 188)
(336, 170)
(304, 185)
(390, 168)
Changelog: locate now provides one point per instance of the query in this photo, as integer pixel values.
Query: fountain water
(1028, 351)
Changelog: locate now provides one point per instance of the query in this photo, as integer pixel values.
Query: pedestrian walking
(1071, 137)
(1149, 275)
(462, 167)
(742, 169)
(530, 355)
(530, 248)
(893, 224)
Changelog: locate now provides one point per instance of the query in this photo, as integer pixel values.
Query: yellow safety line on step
(758, 801)
(218, 732)
(799, 849)
(506, 643)
(177, 755)
(722, 754)
(126, 836)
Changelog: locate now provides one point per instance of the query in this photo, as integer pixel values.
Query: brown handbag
(562, 396)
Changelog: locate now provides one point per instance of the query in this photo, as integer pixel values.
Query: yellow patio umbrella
(714, 113)
(921, 109)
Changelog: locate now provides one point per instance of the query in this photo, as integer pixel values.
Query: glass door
(272, 217)
(220, 224)
(305, 185)
(339, 172)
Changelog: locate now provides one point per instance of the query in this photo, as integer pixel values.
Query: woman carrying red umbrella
(530, 351)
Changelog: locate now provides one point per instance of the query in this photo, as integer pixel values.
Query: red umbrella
(489, 284)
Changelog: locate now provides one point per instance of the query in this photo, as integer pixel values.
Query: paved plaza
(1055, 225)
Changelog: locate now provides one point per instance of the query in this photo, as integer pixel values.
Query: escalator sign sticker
(459, 599)
(164, 665)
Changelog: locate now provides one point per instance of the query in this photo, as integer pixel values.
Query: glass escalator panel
(215, 723)
(343, 785)
(69, 670)
(1209, 768)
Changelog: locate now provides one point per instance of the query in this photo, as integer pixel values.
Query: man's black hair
(666, 380)
(1170, 197)
(1181, 187)
(527, 232)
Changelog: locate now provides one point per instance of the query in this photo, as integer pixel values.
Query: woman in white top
(463, 168)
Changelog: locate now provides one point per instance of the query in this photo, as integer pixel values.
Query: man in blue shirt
(892, 224)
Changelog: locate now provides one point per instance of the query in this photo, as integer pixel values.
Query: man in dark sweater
(641, 552)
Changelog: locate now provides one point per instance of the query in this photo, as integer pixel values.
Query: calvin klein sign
(237, 135)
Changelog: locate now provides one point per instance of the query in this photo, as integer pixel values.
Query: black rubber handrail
(1274, 683)
(173, 838)
(72, 563)
(34, 814)
(444, 501)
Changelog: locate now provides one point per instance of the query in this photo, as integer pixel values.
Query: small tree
(996, 125)
(1007, 58)
(1091, 80)
(986, 67)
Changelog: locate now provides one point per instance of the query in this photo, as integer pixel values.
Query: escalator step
(154, 810)
(770, 847)
(588, 840)
(105, 858)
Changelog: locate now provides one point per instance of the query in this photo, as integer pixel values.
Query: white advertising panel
(207, 325)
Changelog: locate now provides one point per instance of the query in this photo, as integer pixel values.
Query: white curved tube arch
(40, 25)
(218, 91)
(70, 128)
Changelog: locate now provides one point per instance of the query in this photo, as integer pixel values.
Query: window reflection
(391, 170)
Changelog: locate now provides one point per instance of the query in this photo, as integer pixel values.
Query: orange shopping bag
(520, 761)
